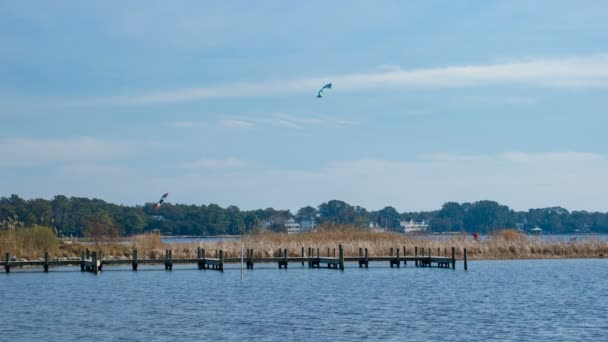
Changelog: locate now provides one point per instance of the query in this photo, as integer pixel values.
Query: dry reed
(506, 244)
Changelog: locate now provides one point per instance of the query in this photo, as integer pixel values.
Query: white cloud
(544, 179)
(575, 180)
(572, 72)
(184, 124)
(34, 152)
(237, 123)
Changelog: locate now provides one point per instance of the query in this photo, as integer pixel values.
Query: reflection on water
(494, 300)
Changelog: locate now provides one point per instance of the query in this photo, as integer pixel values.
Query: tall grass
(28, 242)
(506, 244)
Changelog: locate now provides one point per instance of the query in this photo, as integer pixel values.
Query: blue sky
(214, 102)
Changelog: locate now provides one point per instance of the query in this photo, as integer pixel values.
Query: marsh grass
(505, 244)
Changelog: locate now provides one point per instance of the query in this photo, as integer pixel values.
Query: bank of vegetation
(81, 217)
(31, 243)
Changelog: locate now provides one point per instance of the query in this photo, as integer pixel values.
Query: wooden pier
(94, 261)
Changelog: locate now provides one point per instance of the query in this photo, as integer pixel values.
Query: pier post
(366, 259)
(310, 256)
(198, 257)
(341, 256)
(404, 256)
(283, 262)
(360, 257)
(328, 252)
(250, 258)
(46, 261)
(302, 256)
(221, 260)
(453, 258)
(398, 260)
(134, 263)
(416, 256)
(7, 265)
(438, 251)
(94, 268)
(465, 259)
(422, 262)
(203, 263)
(82, 261)
(168, 260)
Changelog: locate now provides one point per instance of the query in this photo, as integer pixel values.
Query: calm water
(504, 300)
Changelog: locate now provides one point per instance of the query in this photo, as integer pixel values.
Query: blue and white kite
(320, 93)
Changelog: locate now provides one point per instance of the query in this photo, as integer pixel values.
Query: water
(495, 300)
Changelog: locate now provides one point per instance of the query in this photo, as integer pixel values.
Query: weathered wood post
(198, 257)
(82, 261)
(46, 261)
(341, 257)
(309, 257)
(100, 258)
(7, 263)
(438, 251)
(334, 252)
(94, 262)
(445, 252)
(453, 258)
(465, 259)
(283, 263)
(250, 258)
(302, 256)
(168, 260)
(221, 265)
(360, 257)
(416, 256)
(134, 263)
(328, 252)
(398, 259)
(366, 259)
(422, 262)
(404, 256)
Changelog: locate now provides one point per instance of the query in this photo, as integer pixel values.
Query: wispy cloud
(572, 72)
(21, 152)
(184, 124)
(237, 123)
(216, 164)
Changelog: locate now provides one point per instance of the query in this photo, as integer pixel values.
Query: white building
(412, 226)
(292, 226)
(306, 225)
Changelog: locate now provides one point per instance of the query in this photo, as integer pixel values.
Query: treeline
(94, 217)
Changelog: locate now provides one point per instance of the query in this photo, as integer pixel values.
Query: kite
(162, 199)
(320, 93)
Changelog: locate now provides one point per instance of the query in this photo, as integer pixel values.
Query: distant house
(536, 230)
(292, 226)
(412, 226)
(306, 225)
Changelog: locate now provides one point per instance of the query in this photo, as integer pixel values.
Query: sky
(215, 102)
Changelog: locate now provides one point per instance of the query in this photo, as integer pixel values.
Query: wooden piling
(453, 258)
(341, 257)
(168, 260)
(404, 255)
(7, 263)
(416, 255)
(134, 263)
(310, 251)
(46, 261)
(366, 259)
(250, 258)
(465, 260)
(94, 267)
(82, 261)
(302, 256)
(221, 265)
